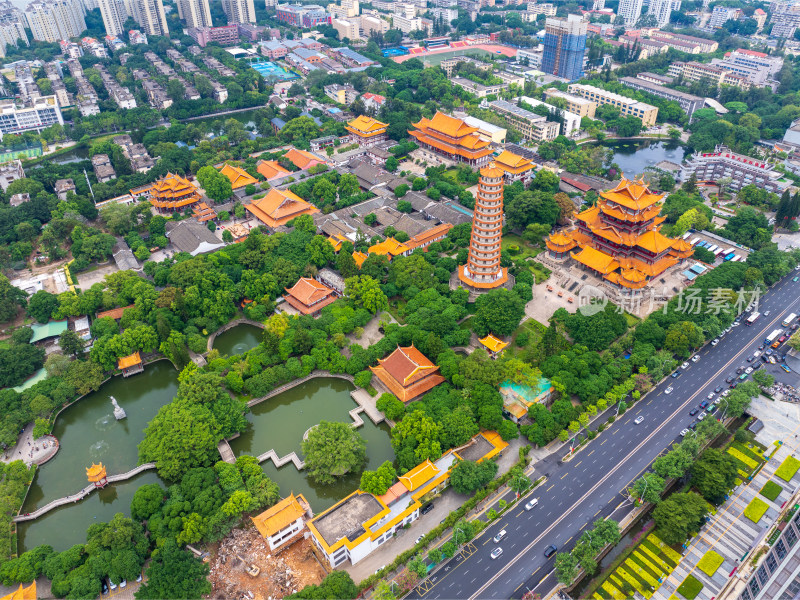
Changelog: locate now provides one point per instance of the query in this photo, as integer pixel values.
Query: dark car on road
(704, 403)
(693, 412)
(718, 389)
(729, 378)
(550, 550)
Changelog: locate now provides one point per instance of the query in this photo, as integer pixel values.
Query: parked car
(701, 416)
(704, 403)
(729, 378)
(103, 587)
(419, 539)
(710, 396)
(676, 374)
(427, 508)
(684, 432)
(718, 389)
(715, 342)
(685, 365)
(751, 359)
(695, 358)
(748, 370)
(693, 412)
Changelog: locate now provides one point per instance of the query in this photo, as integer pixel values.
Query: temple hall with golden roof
(619, 239)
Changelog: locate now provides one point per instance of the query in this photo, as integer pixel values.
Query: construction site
(244, 568)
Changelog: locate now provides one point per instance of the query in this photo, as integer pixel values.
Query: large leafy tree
(679, 516)
(42, 305)
(333, 450)
(366, 293)
(379, 481)
(11, 298)
(499, 312)
(338, 585)
(174, 573)
(217, 186)
(468, 476)
(714, 474)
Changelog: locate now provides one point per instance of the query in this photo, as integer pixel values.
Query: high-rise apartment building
(195, 13)
(114, 15)
(721, 14)
(630, 11)
(239, 11)
(662, 9)
(151, 16)
(55, 20)
(785, 18)
(12, 26)
(564, 47)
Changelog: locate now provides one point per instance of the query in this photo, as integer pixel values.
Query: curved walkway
(81, 494)
(231, 325)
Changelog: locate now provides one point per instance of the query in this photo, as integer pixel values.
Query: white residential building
(151, 16)
(239, 11)
(55, 20)
(42, 113)
(195, 13)
(12, 26)
(630, 11)
(114, 15)
(662, 9)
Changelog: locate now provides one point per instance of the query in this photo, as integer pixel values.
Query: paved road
(592, 485)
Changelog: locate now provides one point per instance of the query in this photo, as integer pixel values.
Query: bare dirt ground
(280, 575)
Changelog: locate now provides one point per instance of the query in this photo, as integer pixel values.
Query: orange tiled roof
(279, 207)
(635, 195)
(366, 126)
(302, 159)
(514, 163)
(270, 169)
(114, 313)
(96, 472)
(173, 192)
(389, 247)
(435, 233)
(595, 259)
(639, 216)
(491, 172)
(280, 516)
(419, 475)
(23, 593)
(129, 361)
(336, 241)
(451, 136)
(407, 373)
(393, 493)
(238, 176)
(204, 213)
(493, 344)
(308, 291)
(450, 126)
(359, 257)
(559, 240)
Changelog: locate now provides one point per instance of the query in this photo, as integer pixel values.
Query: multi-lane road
(592, 485)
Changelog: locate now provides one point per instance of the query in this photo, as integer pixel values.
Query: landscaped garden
(690, 588)
(771, 490)
(756, 509)
(749, 458)
(643, 571)
(788, 468)
(710, 562)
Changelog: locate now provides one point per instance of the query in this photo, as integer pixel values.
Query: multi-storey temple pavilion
(618, 238)
(453, 139)
(172, 193)
(483, 270)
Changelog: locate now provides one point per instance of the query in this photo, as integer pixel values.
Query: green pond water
(88, 432)
(238, 340)
(280, 423)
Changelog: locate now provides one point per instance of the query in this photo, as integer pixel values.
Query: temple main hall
(619, 238)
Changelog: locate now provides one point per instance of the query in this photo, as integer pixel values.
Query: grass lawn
(710, 562)
(690, 588)
(540, 272)
(755, 510)
(526, 249)
(771, 490)
(632, 321)
(788, 468)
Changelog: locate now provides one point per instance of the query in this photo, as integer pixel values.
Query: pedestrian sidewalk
(31, 451)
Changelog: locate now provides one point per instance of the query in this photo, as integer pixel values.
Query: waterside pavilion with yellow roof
(366, 131)
(453, 139)
(283, 522)
(355, 526)
(619, 239)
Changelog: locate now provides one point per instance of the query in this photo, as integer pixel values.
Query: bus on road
(788, 320)
(773, 336)
(752, 318)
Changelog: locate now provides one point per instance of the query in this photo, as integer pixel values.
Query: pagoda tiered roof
(364, 126)
(407, 373)
(173, 192)
(625, 217)
(513, 163)
(279, 207)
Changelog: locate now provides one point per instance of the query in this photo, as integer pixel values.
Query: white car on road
(668, 390)
(638, 420)
(695, 358)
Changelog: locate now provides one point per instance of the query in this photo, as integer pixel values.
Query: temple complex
(407, 373)
(514, 167)
(367, 131)
(309, 296)
(452, 139)
(279, 207)
(618, 238)
(483, 270)
(172, 193)
(131, 364)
